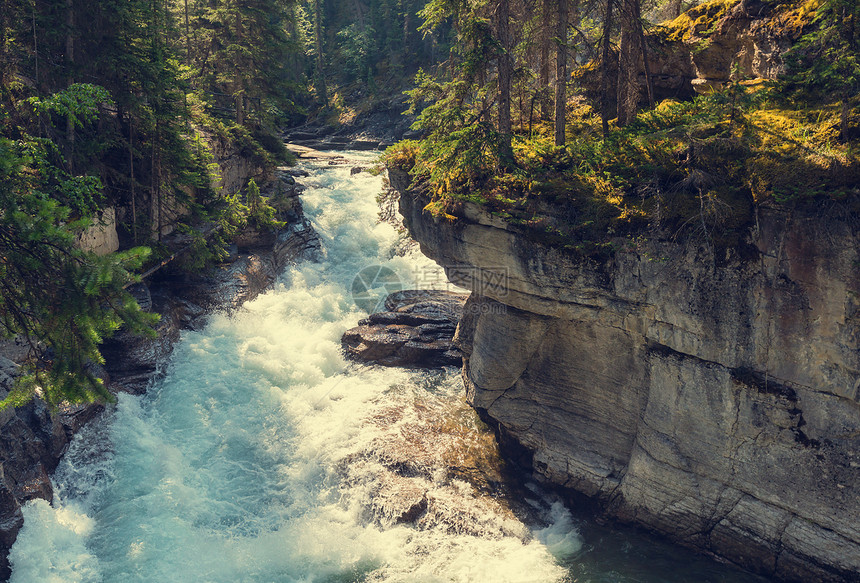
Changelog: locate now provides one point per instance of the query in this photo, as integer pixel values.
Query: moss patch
(699, 21)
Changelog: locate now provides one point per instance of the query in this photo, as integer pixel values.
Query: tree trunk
(649, 82)
(131, 177)
(36, 57)
(187, 36)
(359, 13)
(155, 185)
(5, 42)
(544, 56)
(505, 74)
(319, 74)
(628, 62)
(158, 182)
(240, 69)
(604, 82)
(407, 28)
(561, 72)
(70, 63)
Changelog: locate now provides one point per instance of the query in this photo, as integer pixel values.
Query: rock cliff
(709, 396)
(711, 44)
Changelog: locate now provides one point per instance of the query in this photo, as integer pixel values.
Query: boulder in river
(416, 330)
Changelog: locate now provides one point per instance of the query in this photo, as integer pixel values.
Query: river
(264, 456)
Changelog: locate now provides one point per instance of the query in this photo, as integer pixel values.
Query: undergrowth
(698, 168)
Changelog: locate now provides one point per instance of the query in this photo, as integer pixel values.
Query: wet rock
(252, 239)
(140, 292)
(417, 330)
(356, 170)
(298, 242)
(363, 145)
(132, 360)
(312, 151)
(73, 417)
(432, 464)
(436, 304)
(11, 521)
(32, 440)
(299, 136)
(398, 500)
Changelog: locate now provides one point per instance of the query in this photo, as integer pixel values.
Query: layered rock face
(712, 399)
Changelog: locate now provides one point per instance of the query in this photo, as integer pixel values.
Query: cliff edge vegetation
(618, 160)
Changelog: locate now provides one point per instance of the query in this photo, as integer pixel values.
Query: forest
(562, 116)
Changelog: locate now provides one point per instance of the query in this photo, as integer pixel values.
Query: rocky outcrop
(712, 396)
(32, 441)
(101, 237)
(749, 35)
(235, 165)
(711, 44)
(416, 329)
(382, 124)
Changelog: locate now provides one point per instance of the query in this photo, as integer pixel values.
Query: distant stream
(264, 456)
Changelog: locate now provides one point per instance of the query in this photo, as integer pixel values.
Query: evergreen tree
(63, 301)
(826, 61)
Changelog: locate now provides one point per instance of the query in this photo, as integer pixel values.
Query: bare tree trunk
(70, 63)
(544, 56)
(5, 44)
(561, 72)
(649, 82)
(187, 36)
(359, 13)
(604, 82)
(240, 67)
(505, 74)
(36, 56)
(846, 32)
(131, 177)
(407, 26)
(158, 182)
(154, 194)
(319, 74)
(628, 63)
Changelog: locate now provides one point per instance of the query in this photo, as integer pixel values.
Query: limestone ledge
(713, 401)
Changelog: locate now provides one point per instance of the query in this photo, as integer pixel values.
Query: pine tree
(826, 61)
(61, 300)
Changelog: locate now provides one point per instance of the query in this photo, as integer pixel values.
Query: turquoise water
(263, 456)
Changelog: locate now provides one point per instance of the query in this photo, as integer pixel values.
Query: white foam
(237, 466)
(51, 548)
(561, 537)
